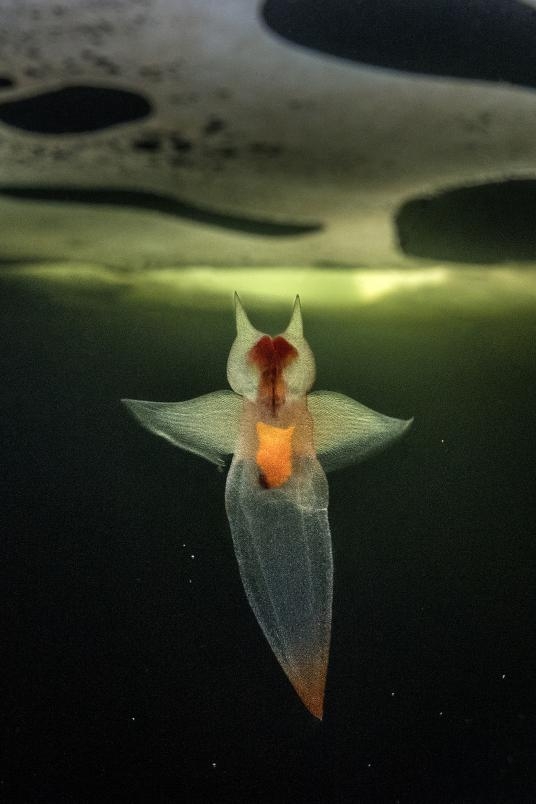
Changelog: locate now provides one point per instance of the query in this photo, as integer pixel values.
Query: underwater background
(135, 667)
(379, 159)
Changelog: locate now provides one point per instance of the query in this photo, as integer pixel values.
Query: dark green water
(134, 668)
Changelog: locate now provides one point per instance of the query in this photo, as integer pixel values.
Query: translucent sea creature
(283, 439)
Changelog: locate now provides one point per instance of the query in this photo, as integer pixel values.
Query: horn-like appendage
(244, 328)
(242, 374)
(256, 359)
(295, 326)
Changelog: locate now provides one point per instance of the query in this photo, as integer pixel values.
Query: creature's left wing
(208, 425)
(346, 432)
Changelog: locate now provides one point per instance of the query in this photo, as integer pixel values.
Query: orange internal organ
(274, 454)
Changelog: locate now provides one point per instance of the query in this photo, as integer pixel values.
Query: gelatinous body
(282, 439)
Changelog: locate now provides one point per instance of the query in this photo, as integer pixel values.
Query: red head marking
(271, 356)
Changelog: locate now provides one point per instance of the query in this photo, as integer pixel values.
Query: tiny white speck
(192, 555)
(393, 694)
(441, 714)
(213, 764)
(189, 580)
(503, 675)
(369, 765)
(183, 544)
(442, 440)
(133, 718)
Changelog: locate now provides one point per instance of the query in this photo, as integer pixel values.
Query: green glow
(442, 286)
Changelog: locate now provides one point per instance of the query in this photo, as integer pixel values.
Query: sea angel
(283, 439)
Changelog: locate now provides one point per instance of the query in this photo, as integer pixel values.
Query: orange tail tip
(313, 700)
(310, 686)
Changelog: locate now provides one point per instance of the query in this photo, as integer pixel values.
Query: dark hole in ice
(487, 223)
(160, 203)
(150, 144)
(181, 144)
(6, 82)
(214, 126)
(74, 110)
(479, 39)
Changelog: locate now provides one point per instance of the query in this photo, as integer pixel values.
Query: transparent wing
(346, 432)
(208, 425)
(283, 546)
